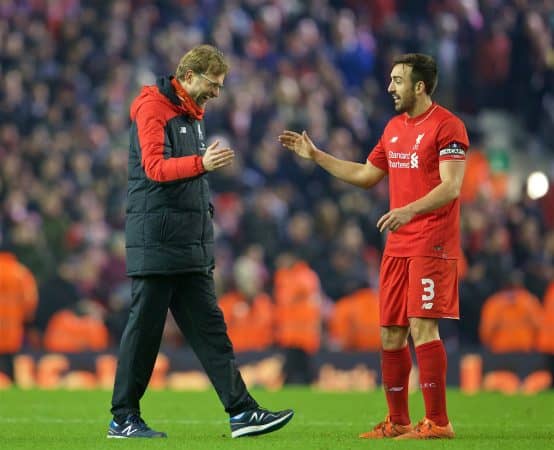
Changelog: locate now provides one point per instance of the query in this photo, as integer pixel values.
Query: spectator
(317, 66)
(354, 323)
(510, 319)
(18, 301)
(56, 293)
(248, 310)
(545, 342)
(298, 316)
(78, 329)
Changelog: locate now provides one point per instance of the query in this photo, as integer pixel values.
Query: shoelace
(382, 425)
(423, 424)
(137, 420)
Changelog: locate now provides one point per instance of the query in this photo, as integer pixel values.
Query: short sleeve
(378, 156)
(452, 140)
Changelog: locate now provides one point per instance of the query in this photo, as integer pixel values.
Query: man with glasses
(170, 247)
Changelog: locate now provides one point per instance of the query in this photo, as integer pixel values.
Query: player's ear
(420, 87)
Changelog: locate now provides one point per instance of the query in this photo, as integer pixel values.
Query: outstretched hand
(216, 158)
(301, 144)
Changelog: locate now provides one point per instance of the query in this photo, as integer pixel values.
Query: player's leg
(138, 350)
(200, 319)
(396, 361)
(432, 295)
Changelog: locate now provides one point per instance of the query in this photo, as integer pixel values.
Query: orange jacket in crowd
(510, 321)
(354, 324)
(480, 179)
(297, 307)
(477, 176)
(250, 324)
(70, 333)
(18, 302)
(545, 342)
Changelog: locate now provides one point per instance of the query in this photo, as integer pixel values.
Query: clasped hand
(216, 158)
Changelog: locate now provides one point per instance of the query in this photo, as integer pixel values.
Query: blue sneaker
(133, 427)
(259, 421)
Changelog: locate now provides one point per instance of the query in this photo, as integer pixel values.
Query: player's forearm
(348, 171)
(441, 195)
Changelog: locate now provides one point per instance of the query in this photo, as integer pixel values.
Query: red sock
(431, 358)
(396, 366)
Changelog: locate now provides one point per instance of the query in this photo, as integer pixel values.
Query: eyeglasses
(213, 84)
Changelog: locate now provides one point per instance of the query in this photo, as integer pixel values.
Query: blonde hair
(202, 59)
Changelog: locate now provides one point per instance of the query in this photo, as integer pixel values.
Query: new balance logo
(183, 130)
(427, 306)
(255, 417)
(128, 431)
(394, 139)
(396, 389)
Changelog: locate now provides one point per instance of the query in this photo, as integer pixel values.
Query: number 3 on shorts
(428, 289)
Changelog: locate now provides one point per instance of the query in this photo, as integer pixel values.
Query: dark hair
(424, 68)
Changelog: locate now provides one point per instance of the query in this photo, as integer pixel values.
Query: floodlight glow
(537, 185)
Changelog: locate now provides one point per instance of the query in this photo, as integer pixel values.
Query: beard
(201, 100)
(406, 103)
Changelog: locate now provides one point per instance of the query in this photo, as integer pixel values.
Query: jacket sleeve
(151, 136)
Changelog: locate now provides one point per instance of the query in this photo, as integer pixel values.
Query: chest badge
(418, 141)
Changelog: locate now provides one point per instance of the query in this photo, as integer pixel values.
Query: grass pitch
(195, 420)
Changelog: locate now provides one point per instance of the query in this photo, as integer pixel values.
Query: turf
(195, 420)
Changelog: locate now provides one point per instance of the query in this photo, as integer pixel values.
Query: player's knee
(394, 338)
(424, 330)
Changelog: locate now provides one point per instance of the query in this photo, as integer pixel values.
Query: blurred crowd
(286, 232)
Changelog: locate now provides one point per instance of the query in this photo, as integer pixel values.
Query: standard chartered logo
(403, 160)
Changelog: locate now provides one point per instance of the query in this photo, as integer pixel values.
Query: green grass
(195, 420)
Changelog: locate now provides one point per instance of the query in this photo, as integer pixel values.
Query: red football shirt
(410, 151)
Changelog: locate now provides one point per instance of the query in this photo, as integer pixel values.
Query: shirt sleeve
(378, 156)
(452, 140)
(151, 135)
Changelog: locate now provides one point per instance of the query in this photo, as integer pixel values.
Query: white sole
(254, 429)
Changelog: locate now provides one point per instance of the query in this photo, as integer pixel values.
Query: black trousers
(191, 298)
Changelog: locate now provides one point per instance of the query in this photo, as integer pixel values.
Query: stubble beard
(405, 104)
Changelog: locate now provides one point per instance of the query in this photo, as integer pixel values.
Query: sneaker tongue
(136, 419)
